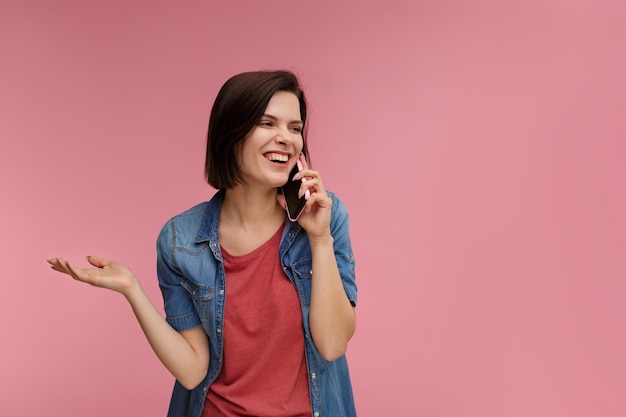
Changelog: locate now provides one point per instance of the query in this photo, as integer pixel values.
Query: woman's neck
(249, 208)
(248, 219)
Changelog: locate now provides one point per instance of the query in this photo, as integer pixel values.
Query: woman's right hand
(106, 274)
(185, 354)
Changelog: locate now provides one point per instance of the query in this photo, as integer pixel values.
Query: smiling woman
(239, 108)
(273, 142)
(290, 285)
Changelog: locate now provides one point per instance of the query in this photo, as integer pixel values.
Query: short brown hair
(238, 107)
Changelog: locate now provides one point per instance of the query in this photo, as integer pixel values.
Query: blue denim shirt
(191, 277)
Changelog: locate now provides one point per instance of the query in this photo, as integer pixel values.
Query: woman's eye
(265, 123)
(296, 129)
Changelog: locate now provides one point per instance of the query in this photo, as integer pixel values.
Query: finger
(98, 261)
(312, 178)
(306, 174)
(54, 264)
(305, 164)
(58, 269)
(64, 265)
(321, 200)
(61, 266)
(314, 186)
(304, 190)
(53, 261)
(80, 274)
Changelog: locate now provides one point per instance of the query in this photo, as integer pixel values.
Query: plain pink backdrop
(480, 147)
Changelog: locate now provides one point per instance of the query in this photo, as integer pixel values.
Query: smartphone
(295, 204)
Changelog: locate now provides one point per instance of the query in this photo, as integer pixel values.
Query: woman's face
(272, 147)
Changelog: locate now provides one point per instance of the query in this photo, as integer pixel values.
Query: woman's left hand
(315, 218)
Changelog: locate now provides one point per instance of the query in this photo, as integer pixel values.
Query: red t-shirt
(264, 369)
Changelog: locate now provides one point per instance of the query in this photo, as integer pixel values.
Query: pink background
(480, 147)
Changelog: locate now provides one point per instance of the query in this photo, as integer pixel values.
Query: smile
(277, 157)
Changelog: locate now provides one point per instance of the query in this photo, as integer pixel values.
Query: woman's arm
(185, 354)
(332, 318)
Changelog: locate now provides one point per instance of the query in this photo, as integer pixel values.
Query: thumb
(97, 261)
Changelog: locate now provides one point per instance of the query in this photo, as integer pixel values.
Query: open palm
(105, 274)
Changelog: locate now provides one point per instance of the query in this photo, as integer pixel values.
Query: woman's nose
(283, 135)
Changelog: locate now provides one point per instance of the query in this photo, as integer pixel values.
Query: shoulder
(192, 214)
(191, 223)
(190, 217)
(339, 212)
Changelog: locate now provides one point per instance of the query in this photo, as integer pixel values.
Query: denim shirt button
(221, 292)
(313, 375)
(218, 330)
(316, 414)
(291, 234)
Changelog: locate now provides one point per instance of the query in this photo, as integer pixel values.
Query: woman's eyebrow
(269, 116)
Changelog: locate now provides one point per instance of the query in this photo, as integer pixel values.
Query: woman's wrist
(320, 241)
(133, 289)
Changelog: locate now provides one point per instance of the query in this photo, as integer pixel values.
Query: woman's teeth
(276, 157)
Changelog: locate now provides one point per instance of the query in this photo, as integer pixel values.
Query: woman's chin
(279, 181)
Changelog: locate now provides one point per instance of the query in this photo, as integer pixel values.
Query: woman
(259, 309)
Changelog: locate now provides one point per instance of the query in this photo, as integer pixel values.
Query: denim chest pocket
(201, 295)
(303, 271)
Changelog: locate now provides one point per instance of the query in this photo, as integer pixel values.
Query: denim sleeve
(339, 228)
(178, 305)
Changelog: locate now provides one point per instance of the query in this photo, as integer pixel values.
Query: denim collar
(211, 218)
(210, 222)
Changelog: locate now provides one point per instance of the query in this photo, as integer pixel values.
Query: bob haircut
(238, 107)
